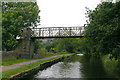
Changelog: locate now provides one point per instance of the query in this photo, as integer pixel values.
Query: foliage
(110, 65)
(37, 46)
(103, 29)
(42, 51)
(0, 38)
(15, 16)
(71, 45)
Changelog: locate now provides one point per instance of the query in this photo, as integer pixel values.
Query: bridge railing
(57, 32)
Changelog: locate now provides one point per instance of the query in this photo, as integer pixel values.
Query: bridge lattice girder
(57, 32)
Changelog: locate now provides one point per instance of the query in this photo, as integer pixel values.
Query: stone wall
(9, 55)
(14, 55)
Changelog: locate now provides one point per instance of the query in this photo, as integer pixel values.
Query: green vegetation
(102, 31)
(110, 65)
(16, 16)
(49, 55)
(14, 61)
(102, 35)
(9, 73)
(37, 46)
(69, 45)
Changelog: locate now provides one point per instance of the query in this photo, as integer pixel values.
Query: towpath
(5, 68)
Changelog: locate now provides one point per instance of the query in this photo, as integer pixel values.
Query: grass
(14, 61)
(9, 73)
(49, 55)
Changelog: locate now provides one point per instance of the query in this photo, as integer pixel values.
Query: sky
(64, 13)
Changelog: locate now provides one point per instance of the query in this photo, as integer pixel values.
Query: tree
(15, 16)
(63, 45)
(37, 46)
(104, 29)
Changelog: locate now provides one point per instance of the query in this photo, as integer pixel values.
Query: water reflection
(76, 67)
(79, 54)
(61, 70)
(93, 68)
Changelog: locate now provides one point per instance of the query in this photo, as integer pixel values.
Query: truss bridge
(57, 32)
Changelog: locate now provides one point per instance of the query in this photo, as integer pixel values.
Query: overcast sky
(64, 13)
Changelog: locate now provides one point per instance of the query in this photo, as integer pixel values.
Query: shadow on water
(93, 68)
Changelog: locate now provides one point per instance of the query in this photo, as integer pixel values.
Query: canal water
(77, 66)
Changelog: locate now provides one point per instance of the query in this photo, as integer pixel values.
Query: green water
(77, 67)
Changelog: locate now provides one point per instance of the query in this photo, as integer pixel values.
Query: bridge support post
(27, 45)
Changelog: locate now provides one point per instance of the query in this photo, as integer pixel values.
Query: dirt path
(5, 68)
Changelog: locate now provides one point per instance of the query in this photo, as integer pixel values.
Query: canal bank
(32, 68)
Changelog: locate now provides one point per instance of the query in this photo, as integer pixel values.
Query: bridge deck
(57, 37)
(57, 32)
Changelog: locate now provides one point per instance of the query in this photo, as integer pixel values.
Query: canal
(77, 66)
